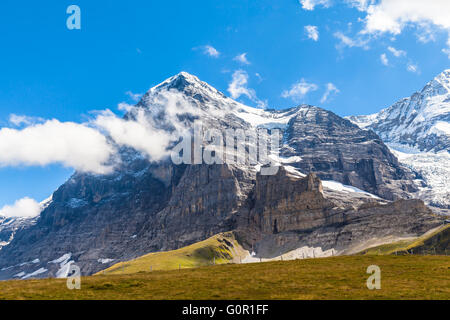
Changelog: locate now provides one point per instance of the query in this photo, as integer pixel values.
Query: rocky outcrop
(292, 212)
(336, 149)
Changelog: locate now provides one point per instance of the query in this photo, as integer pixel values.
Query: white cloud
(397, 53)
(299, 90)
(19, 120)
(242, 58)
(25, 207)
(134, 96)
(331, 88)
(393, 16)
(426, 33)
(311, 4)
(139, 133)
(361, 5)
(73, 145)
(239, 87)
(384, 59)
(211, 51)
(412, 68)
(346, 41)
(447, 50)
(312, 32)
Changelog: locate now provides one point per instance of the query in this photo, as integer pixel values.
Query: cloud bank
(25, 207)
(71, 144)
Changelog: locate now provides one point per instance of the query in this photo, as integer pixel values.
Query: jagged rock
(300, 213)
(336, 149)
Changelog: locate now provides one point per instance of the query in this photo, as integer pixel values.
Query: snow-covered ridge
(202, 100)
(422, 120)
(434, 168)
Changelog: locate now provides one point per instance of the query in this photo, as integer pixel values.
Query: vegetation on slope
(433, 242)
(219, 249)
(402, 277)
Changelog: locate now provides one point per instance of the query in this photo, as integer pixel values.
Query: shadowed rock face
(291, 212)
(336, 149)
(146, 206)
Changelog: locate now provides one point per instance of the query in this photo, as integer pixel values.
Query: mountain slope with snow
(421, 121)
(417, 130)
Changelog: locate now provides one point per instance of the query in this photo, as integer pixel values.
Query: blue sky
(368, 56)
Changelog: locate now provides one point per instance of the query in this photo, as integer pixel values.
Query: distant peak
(441, 83)
(187, 84)
(444, 74)
(179, 81)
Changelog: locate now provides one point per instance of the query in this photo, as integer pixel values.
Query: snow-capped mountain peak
(421, 121)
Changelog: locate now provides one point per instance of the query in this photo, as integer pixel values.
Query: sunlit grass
(402, 277)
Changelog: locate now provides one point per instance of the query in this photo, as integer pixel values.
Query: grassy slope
(402, 277)
(223, 247)
(433, 242)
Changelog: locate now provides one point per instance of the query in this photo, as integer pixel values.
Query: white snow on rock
(76, 203)
(337, 186)
(300, 253)
(294, 171)
(434, 169)
(35, 273)
(63, 259)
(421, 120)
(64, 264)
(104, 261)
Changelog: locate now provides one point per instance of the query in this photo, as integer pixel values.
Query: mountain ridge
(150, 206)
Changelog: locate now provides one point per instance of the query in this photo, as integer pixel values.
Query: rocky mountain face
(334, 189)
(421, 121)
(417, 130)
(10, 225)
(336, 149)
(290, 212)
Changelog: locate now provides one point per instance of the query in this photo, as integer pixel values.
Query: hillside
(402, 277)
(219, 249)
(435, 241)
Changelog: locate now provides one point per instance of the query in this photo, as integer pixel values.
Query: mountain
(10, 225)
(417, 130)
(421, 121)
(338, 188)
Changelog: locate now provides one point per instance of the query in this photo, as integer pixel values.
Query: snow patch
(104, 261)
(76, 203)
(35, 273)
(64, 265)
(337, 186)
(304, 252)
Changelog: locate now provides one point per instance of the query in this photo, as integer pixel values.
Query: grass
(402, 277)
(221, 248)
(436, 241)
